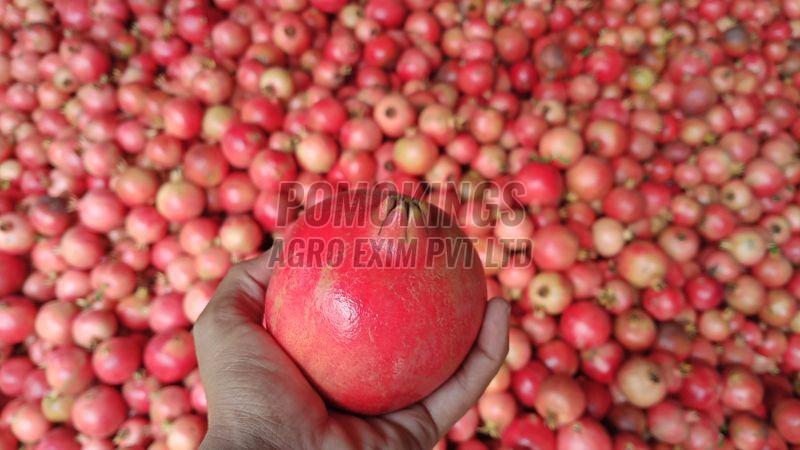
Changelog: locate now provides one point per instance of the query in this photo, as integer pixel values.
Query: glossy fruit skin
(602, 362)
(785, 417)
(170, 355)
(641, 382)
(328, 6)
(542, 184)
(529, 432)
(68, 369)
(666, 422)
(701, 387)
(584, 434)
(525, 382)
(16, 319)
(742, 389)
(642, 264)
(555, 247)
(99, 411)
(57, 439)
(115, 360)
(445, 306)
(560, 400)
(585, 325)
(14, 271)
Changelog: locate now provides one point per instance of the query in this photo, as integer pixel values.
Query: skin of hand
(259, 399)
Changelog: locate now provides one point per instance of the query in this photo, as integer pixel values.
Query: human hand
(259, 399)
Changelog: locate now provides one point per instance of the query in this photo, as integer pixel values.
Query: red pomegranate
(14, 272)
(373, 330)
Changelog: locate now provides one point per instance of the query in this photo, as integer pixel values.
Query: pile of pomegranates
(627, 170)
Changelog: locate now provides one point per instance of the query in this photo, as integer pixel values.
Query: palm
(261, 399)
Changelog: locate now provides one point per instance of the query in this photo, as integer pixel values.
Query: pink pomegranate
(392, 328)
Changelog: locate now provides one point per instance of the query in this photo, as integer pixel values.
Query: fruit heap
(651, 254)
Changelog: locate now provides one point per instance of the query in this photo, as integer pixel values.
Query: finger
(240, 294)
(236, 309)
(450, 401)
(235, 353)
(428, 420)
(250, 277)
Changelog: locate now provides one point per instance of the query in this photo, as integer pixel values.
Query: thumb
(248, 378)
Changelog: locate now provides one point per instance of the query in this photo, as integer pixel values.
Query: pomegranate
(381, 221)
(641, 382)
(99, 411)
(560, 400)
(14, 271)
(583, 434)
